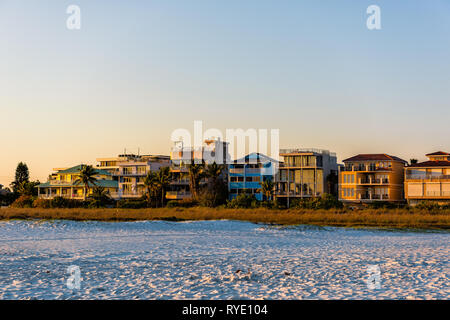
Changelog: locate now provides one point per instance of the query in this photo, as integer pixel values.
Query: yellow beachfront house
(371, 177)
(429, 180)
(63, 183)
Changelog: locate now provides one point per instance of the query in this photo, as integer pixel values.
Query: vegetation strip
(378, 218)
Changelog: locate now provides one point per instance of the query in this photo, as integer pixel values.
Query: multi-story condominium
(429, 180)
(305, 173)
(63, 183)
(182, 157)
(130, 171)
(245, 175)
(371, 177)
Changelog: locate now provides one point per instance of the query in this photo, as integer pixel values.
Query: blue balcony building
(245, 175)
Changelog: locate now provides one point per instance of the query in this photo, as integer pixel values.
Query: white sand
(199, 260)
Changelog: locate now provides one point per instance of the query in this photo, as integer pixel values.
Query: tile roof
(374, 157)
(438, 153)
(79, 167)
(98, 183)
(427, 164)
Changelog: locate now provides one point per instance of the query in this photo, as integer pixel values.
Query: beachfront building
(130, 171)
(429, 180)
(181, 157)
(63, 183)
(305, 173)
(372, 177)
(246, 175)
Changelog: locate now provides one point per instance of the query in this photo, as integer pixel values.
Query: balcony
(373, 181)
(427, 177)
(66, 196)
(132, 173)
(179, 169)
(61, 182)
(371, 196)
(178, 195)
(364, 168)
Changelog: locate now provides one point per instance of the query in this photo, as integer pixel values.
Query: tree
(332, 182)
(86, 177)
(151, 186)
(100, 196)
(196, 173)
(413, 161)
(163, 178)
(267, 189)
(216, 192)
(22, 176)
(26, 188)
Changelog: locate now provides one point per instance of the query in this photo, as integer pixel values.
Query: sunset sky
(137, 70)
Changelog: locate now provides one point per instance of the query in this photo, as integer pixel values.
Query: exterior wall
(246, 178)
(131, 175)
(180, 159)
(63, 185)
(369, 181)
(130, 170)
(430, 184)
(304, 174)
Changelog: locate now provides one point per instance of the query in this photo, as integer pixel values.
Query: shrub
(327, 201)
(42, 203)
(244, 201)
(385, 205)
(428, 205)
(184, 203)
(61, 202)
(131, 204)
(24, 201)
(214, 194)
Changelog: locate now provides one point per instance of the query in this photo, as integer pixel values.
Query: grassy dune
(380, 218)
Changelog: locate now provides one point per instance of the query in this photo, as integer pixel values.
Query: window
(142, 169)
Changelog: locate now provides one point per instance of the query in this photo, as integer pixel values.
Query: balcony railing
(365, 168)
(374, 196)
(67, 196)
(427, 177)
(133, 173)
(178, 195)
(374, 181)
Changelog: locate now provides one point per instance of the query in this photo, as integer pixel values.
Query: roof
(255, 156)
(427, 164)
(98, 183)
(438, 153)
(79, 167)
(374, 157)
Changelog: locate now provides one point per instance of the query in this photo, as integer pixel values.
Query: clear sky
(137, 70)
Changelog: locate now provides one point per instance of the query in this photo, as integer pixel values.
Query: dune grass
(377, 218)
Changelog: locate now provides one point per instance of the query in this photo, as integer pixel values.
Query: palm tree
(196, 172)
(267, 189)
(215, 185)
(163, 178)
(100, 195)
(86, 177)
(151, 186)
(213, 171)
